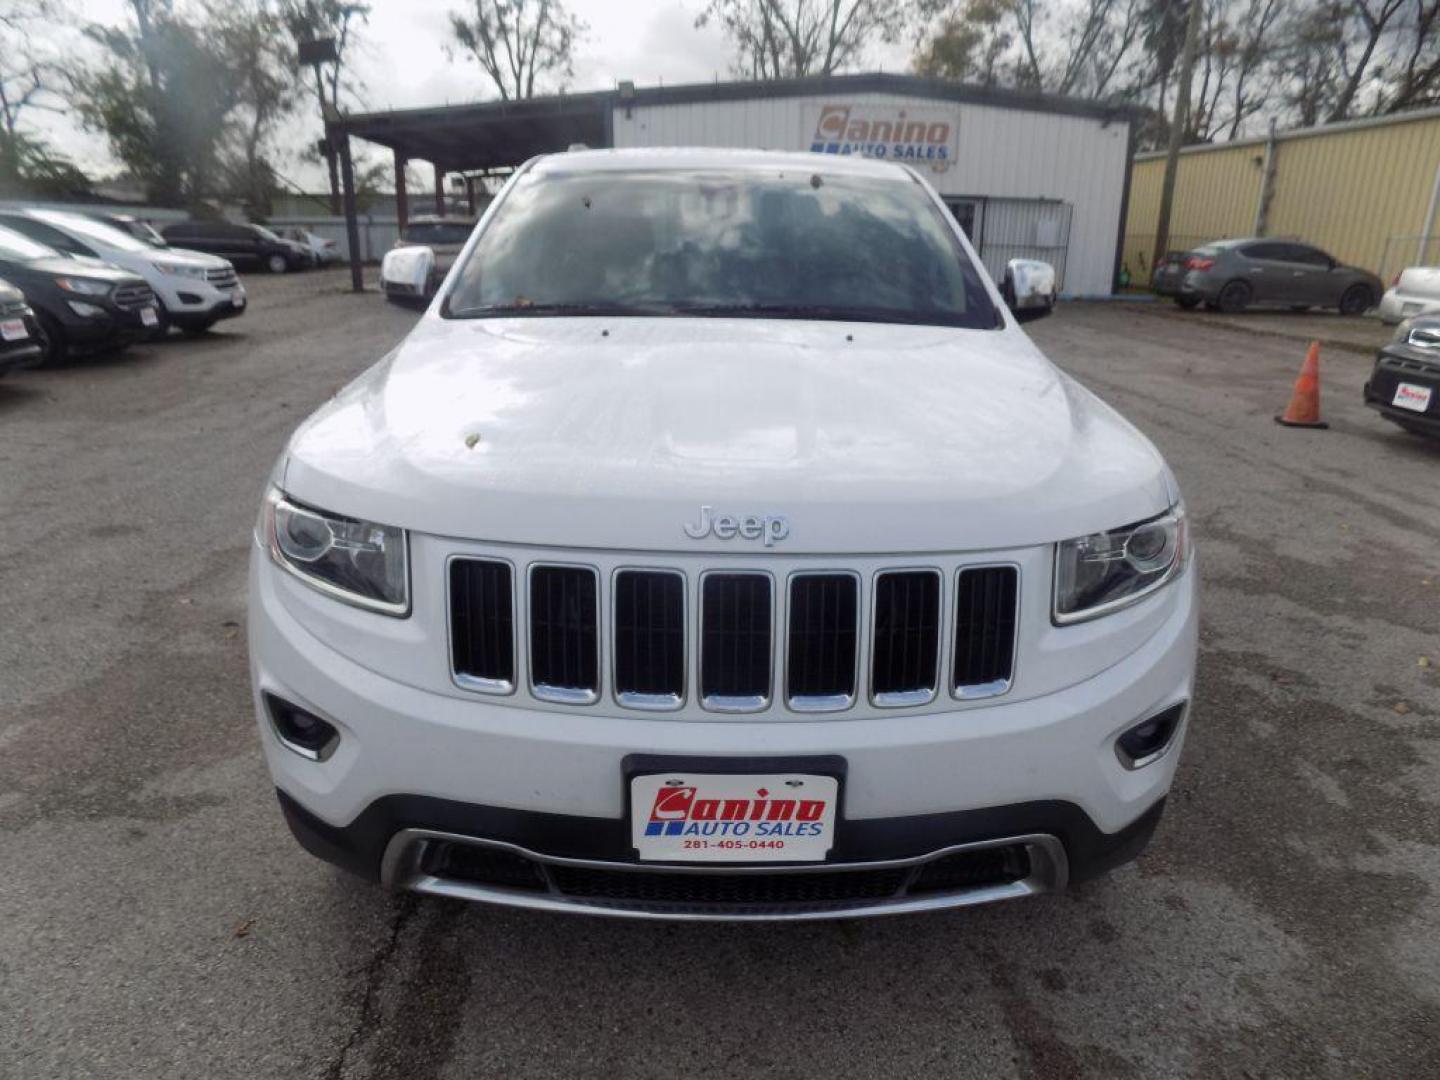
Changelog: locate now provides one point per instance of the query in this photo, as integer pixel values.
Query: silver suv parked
(1230, 275)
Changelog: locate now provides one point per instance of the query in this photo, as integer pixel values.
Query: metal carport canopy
(488, 135)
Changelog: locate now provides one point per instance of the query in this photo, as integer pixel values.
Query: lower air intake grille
(906, 648)
(726, 889)
(820, 669)
(985, 630)
(564, 637)
(649, 638)
(735, 642)
(482, 625)
(635, 888)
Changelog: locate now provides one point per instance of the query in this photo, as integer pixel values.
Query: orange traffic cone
(1304, 410)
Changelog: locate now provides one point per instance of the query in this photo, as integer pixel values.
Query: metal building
(1364, 190)
(1027, 175)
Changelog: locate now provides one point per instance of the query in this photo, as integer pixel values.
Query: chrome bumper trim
(400, 869)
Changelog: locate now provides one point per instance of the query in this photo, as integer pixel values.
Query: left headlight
(84, 286)
(359, 562)
(1104, 572)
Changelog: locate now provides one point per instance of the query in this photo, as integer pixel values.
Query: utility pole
(1178, 123)
(315, 54)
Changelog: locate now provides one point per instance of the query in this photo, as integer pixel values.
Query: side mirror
(1029, 289)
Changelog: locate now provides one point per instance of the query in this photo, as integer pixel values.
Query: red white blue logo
(681, 811)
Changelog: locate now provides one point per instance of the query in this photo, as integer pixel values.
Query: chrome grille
(736, 622)
(985, 601)
(905, 646)
(786, 639)
(482, 618)
(564, 634)
(823, 635)
(133, 297)
(222, 277)
(650, 639)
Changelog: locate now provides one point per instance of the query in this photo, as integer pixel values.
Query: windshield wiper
(525, 309)
(822, 312)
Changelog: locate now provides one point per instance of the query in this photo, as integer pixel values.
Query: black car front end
(1405, 383)
(20, 337)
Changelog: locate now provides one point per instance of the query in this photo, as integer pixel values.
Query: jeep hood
(612, 433)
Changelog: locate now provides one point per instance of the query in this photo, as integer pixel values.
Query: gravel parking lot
(157, 920)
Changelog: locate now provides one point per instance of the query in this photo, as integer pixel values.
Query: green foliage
(190, 100)
(28, 167)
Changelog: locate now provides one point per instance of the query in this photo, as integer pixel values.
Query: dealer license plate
(148, 316)
(755, 817)
(13, 330)
(1412, 397)
(239, 300)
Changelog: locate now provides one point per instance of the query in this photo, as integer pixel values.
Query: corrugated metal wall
(1002, 153)
(1354, 189)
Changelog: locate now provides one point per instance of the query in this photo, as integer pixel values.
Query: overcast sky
(401, 62)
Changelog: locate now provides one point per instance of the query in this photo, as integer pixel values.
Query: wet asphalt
(157, 920)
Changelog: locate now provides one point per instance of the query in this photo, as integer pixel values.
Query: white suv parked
(718, 546)
(195, 290)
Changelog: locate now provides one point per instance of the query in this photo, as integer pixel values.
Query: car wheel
(1233, 298)
(1356, 300)
(276, 264)
(1189, 303)
(52, 338)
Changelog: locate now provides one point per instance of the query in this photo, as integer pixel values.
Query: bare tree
(778, 39)
(1418, 81)
(515, 42)
(30, 80)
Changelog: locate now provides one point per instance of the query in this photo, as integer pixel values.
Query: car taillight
(1195, 262)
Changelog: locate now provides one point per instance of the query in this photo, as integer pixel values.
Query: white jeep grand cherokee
(718, 546)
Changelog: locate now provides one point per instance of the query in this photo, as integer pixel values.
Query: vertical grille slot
(985, 599)
(482, 625)
(905, 651)
(564, 638)
(649, 639)
(820, 654)
(735, 642)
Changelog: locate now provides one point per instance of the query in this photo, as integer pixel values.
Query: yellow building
(1363, 190)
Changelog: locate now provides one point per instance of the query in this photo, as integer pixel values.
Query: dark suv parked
(243, 245)
(80, 304)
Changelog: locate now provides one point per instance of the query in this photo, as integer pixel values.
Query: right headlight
(1107, 571)
(359, 562)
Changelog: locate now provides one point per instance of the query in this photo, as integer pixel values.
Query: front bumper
(1039, 773)
(1399, 365)
(1396, 306)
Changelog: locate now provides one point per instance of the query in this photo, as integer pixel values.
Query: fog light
(1148, 740)
(84, 310)
(301, 731)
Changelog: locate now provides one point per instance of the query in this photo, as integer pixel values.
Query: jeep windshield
(744, 243)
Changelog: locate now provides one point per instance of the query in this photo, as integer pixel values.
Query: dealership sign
(914, 135)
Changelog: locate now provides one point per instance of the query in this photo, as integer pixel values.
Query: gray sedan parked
(1233, 274)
